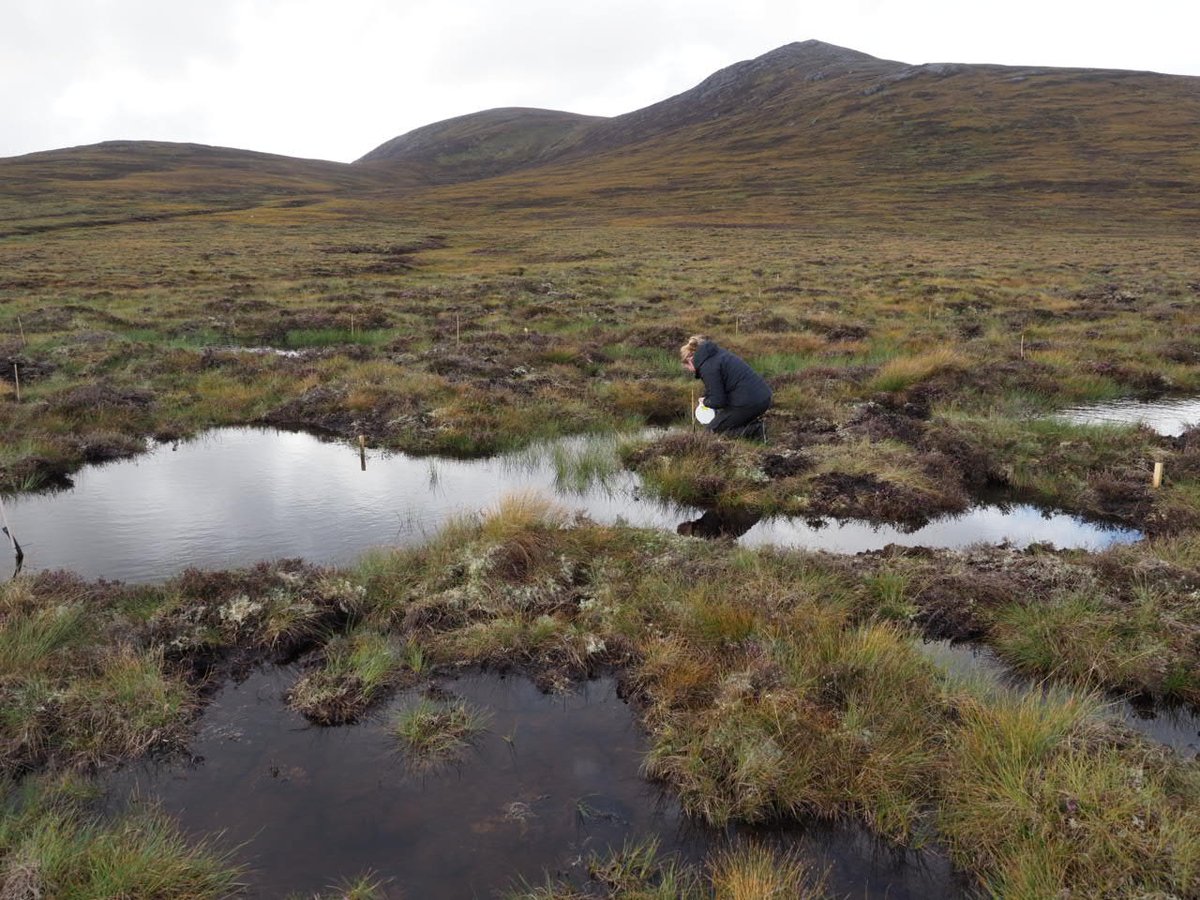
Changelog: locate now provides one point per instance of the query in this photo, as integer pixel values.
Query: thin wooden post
(1022, 345)
(362, 451)
(692, 408)
(17, 381)
(1156, 481)
(24, 343)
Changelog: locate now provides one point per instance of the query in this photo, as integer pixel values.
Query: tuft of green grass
(1036, 808)
(367, 886)
(889, 591)
(358, 668)
(51, 845)
(433, 734)
(754, 872)
(31, 638)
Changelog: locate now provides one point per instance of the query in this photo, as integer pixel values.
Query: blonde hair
(688, 350)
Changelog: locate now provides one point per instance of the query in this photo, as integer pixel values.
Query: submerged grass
(640, 871)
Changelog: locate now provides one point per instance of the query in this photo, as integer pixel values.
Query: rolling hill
(812, 128)
(807, 131)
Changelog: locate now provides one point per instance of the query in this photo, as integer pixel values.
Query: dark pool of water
(554, 778)
(1178, 727)
(1169, 417)
(237, 496)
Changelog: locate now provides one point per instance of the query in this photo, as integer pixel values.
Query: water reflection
(1019, 525)
(18, 552)
(12, 539)
(1168, 417)
(237, 496)
(554, 779)
(720, 523)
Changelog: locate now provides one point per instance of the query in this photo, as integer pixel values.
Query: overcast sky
(332, 79)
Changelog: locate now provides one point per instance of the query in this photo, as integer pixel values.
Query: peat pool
(236, 496)
(1167, 417)
(553, 779)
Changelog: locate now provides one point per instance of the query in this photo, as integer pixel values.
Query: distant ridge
(808, 130)
(497, 141)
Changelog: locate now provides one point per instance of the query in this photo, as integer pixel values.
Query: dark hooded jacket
(728, 379)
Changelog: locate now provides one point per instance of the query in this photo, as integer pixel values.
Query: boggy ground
(473, 337)
(913, 363)
(773, 686)
(891, 461)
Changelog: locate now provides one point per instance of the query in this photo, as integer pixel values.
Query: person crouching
(735, 391)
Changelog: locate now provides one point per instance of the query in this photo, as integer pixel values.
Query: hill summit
(810, 124)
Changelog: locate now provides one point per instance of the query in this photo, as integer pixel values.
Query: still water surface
(240, 495)
(554, 779)
(1169, 417)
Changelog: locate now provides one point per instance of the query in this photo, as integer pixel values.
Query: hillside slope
(119, 181)
(482, 144)
(811, 128)
(808, 133)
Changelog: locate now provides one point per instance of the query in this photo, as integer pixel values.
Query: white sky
(332, 79)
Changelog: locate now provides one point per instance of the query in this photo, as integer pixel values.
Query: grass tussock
(1036, 806)
(52, 845)
(358, 667)
(435, 733)
(904, 372)
(752, 871)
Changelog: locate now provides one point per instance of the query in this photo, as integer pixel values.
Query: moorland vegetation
(926, 262)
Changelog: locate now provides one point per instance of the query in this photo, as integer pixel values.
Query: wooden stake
(1156, 482)
(362, 451)
(1022, 345)
(24, 343)
(692, 408)
(17, 381)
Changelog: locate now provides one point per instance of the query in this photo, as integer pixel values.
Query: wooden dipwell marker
(1156, 481)
(17, 381)
(21, 328)
(362, 451)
